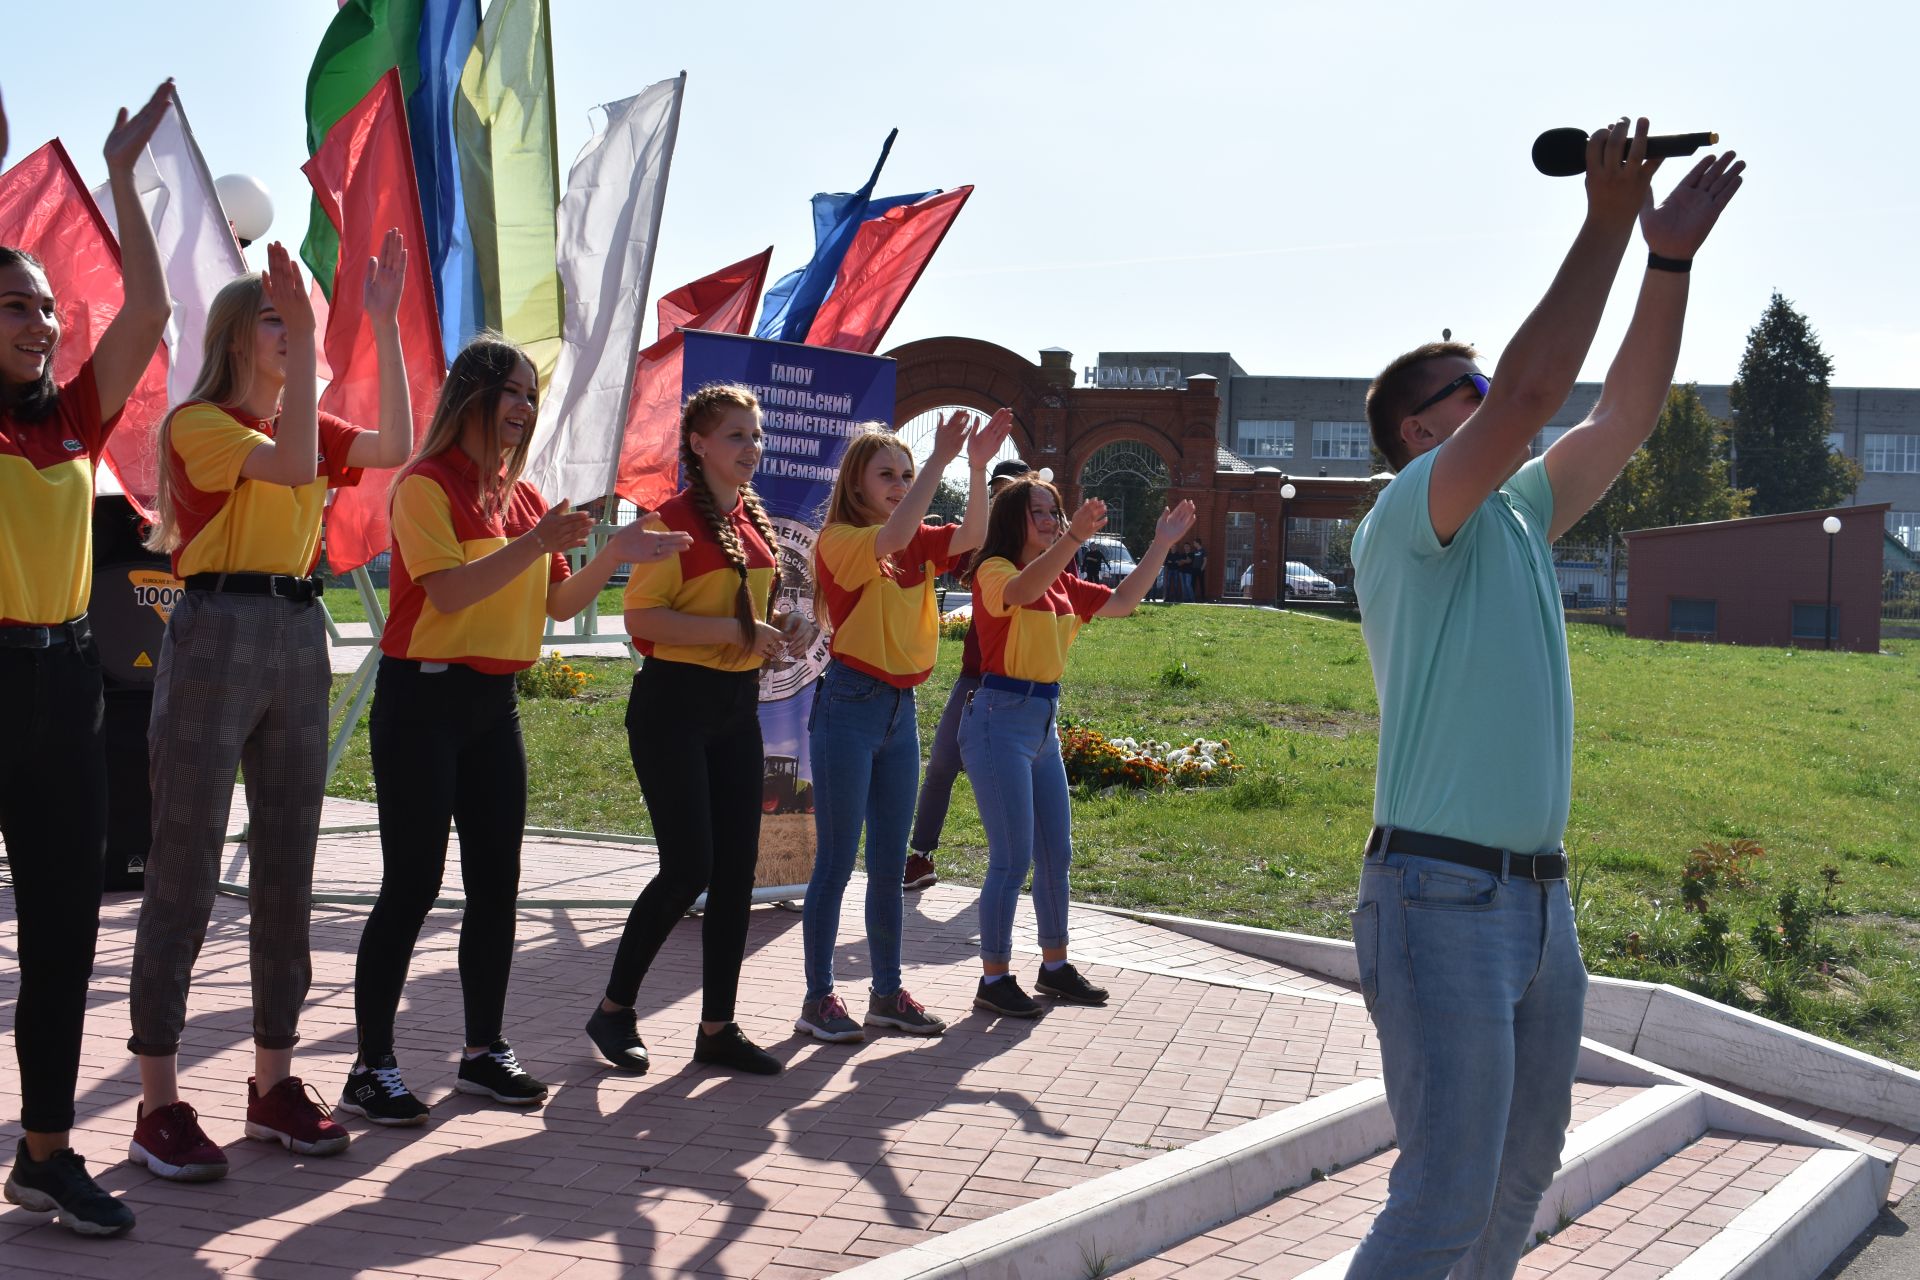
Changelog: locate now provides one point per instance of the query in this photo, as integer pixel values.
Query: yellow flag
(509, 168)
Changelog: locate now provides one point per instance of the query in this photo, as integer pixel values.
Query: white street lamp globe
(247, 205)
(1831, 524)
(1045, 474)
(1287, 491)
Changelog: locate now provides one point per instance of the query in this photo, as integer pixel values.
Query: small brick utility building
(1762, 580)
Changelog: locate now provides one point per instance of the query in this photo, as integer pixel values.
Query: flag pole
(646, 287)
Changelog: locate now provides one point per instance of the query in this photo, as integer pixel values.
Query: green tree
(949, 502)
(1782, 411)
(1679, 476)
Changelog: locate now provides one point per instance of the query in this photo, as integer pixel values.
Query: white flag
(197, 249)
(609, 224)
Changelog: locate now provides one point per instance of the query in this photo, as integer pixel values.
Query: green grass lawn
(1801, 752)
(343, 602)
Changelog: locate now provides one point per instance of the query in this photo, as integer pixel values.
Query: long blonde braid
(702, 409)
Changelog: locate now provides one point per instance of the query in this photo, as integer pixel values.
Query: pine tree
(1679, 476)
(1782, 412)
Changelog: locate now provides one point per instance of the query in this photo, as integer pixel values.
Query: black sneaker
(376, 1091)
(498, 1075)
(1006, 998)
(617, 1036)
(729, 1047)
(1065, 983)
(59, 1184)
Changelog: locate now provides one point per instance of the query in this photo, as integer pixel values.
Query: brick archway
(1061, 426)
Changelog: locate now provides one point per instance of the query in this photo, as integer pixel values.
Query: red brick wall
(1756, 570)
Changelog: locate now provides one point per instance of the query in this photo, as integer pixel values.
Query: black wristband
(1657, 263)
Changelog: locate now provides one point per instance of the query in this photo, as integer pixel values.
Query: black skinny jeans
(53, 816)
(695, 737)
(446, 746)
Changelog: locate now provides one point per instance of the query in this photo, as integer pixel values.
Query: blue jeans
(1012, 754)
(865, 744)
(1477, 992)
(943, 766)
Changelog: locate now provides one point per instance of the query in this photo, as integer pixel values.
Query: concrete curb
(1132, 1213)
(1797, 1228)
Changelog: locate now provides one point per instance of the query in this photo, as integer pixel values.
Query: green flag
(365, 40)
(503, 126)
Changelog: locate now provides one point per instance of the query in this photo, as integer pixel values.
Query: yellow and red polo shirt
(46, 506)
(439, 523)
(1030, 642)
(885, 624)
(230, 524)
(702, 581)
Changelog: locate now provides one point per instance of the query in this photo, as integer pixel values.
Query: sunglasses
(1480, 382)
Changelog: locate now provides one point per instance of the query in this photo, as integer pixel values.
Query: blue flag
(447, 29)
(791, 301)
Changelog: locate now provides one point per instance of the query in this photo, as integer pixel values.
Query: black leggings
(446, 745)
(695, 737)
(53, 816)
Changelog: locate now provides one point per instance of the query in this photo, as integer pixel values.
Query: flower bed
(1102, 763)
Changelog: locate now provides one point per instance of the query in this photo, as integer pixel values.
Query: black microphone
(1562, 153)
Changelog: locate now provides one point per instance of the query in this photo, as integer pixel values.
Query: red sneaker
(171, 1144)
(294, 1116)
(919, 871)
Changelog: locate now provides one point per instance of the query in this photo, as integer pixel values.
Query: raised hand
(636, 544)
(287, 291)
(986, 440)
(1089, 519)
(951, 436)
(1173, 523)
(130, 135)
(562, 528)
(386, 280)
(1619, 175)
(1678, 226)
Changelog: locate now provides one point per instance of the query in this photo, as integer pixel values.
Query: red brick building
(1762, 580)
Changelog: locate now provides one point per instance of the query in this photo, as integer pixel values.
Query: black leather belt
(284, 585)
(1028, 688)
(1527, 866)
(26, 636)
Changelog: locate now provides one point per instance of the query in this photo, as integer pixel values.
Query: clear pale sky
(1312, 188)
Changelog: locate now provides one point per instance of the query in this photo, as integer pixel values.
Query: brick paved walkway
(853, 1152)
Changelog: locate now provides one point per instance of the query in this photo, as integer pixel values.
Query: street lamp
(1286, 495)
(248, 207)
(1832, 526)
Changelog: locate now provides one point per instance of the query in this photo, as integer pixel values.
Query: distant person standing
(1464, 930)
(1197, 570)
(1093, 563)
(943, 762)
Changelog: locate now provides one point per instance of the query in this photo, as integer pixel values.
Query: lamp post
(248, 207)
(1832, 526)
(1286, 495)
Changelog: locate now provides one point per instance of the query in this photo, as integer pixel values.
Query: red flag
(45, 209)
(363, 176)
(723, 302)
(882, 266)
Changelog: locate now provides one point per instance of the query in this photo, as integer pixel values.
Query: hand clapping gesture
(562, 528)
(949, 438)
(1678, 225)
(1173, 523)
(636, 544)
(287, 292)
(386, 281)
(131, 134)
(986, 441)
(1089, 519)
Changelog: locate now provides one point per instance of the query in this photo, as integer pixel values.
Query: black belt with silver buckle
(1528, 866)
(284, 585)
(27, 636)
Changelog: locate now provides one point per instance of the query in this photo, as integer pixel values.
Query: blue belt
(1027, 688)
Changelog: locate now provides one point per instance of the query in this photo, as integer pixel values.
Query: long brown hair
(475, 386)
(226, 376)
(700, 415)
(1007, 520)
(31, 401)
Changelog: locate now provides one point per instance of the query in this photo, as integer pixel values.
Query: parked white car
(1302, 583)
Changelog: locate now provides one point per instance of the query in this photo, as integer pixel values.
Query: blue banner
(812, 400)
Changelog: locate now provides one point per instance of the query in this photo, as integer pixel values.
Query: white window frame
(1892, 453)
(1341, 442)
(1275, 436)
(1905, 526)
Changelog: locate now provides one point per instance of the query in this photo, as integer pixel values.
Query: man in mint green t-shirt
(1464, 931)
